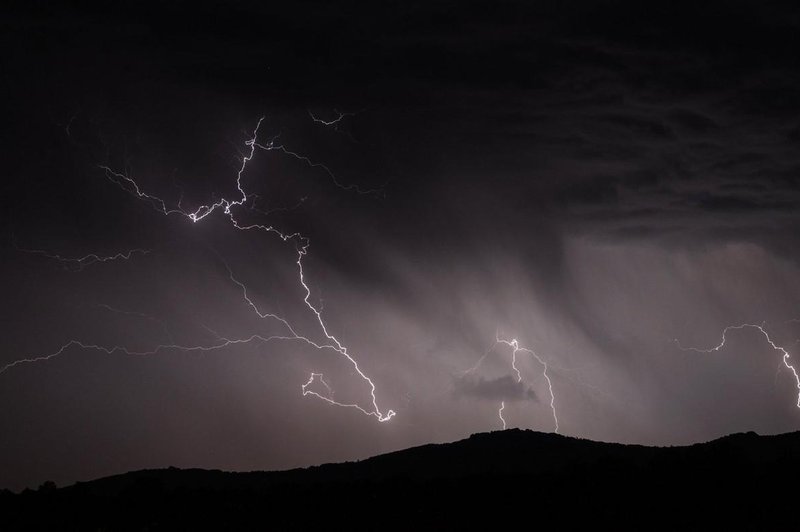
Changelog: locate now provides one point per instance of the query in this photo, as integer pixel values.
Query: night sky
(595, 180)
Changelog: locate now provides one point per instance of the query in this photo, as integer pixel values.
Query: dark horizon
(483, 481)
(538, 215)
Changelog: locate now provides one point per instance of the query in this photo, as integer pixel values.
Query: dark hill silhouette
(509, 479)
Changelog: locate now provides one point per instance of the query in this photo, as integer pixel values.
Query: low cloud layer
(504, 388)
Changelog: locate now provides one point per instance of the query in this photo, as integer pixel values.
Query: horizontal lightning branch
(335, 123)
(118, 349)
(786, 357)
(79, 263)
(331, 123)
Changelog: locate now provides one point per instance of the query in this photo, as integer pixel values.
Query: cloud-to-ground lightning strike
(515, 348)
(302, 246)
(514, 344)
(760, 328)
(329, 397)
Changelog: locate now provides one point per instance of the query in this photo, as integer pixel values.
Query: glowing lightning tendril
(335, 122)
(302, 245)
(786, 356)
(79, 263)
(514, 344)
(515, 348)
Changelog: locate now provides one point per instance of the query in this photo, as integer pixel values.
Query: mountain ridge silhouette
(489, 479)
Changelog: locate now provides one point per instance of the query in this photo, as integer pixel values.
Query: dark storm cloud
(503, 388)
(658, 116)
(594, 178)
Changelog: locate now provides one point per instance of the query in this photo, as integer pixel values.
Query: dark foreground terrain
(513, 478)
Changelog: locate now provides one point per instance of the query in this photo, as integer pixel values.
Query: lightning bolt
(331, 123)
(79, 263)
(223, 343)
(760, 328)
(273, 145)
(515, 348)
(227, 207)
(329, 398)
(336, 122)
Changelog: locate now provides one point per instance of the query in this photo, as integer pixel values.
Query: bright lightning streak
(318, 376)
(335, 344)
(760, 328)
(515, 348)
(224, 342)
(335, 122)
(514, 344)
(302, 244)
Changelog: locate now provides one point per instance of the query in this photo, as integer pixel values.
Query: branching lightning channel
(760, 328)
(227, 206)
(223, 343)
(329, 398)
(79, 263)
(334, 123)
(514, 344)
(274, 145)
(515, 348)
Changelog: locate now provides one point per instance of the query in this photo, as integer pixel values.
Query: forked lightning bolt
(273, 145)
(227, 206)
(329, 398)
(515, 348)
(760, 328)
(335, 123)
(331, 123)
